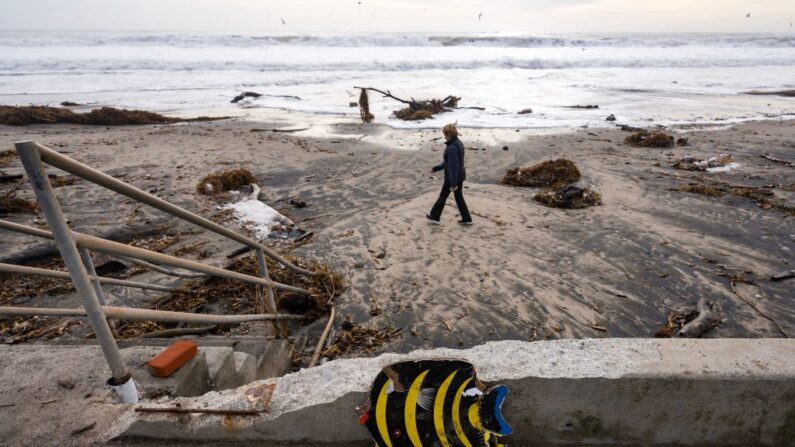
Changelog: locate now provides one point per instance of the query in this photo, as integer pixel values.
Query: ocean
(642, 79)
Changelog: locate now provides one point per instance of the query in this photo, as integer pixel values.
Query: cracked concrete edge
(317, 404)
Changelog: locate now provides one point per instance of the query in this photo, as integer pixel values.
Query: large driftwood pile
(415, 110)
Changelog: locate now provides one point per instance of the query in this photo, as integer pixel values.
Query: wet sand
(523, 271)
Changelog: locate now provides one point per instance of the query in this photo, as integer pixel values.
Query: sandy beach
(523, 271)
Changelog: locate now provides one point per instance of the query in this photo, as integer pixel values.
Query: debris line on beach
(551, 173)
(104, 116)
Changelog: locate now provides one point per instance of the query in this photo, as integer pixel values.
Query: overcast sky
(343, 16)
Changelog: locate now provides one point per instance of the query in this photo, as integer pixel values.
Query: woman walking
(454, 175)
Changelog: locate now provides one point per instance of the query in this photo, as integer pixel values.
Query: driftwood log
(707, 319)
(244, 95)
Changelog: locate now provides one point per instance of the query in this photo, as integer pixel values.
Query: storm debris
(6, 157)
(645, 138)
(227, 296)
(104, 116)
(10, 203)
(569, 197)
(415, 110)
(225, 181)
(364, 107)
(360, 340)
(690, 163)
(551, 173)
(765, 198)
(690, 323)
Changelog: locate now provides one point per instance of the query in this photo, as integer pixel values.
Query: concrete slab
(567, 392)
(276, 361)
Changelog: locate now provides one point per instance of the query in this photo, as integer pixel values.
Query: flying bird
(748, 15)
(283, 22)
(479, 16)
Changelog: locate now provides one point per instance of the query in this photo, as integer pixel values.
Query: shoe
(433, 221)
(465, 222)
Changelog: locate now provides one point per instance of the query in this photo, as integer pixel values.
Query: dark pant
(438, 207)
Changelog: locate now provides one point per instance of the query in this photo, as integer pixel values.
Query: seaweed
(236, 297)
(570, 197)
(103, 116)
(677, 319)
(357, 339)
(225, 181)
(551, 173)
(763, 197)
(407, 114)
(10, 203)
(644, 138)
(6, 157)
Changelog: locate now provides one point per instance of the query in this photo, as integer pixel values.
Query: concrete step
(221, 363)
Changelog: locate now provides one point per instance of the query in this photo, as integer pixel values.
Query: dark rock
(611, 118)
(525, 111)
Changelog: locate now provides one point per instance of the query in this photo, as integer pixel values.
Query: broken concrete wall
(568, 392)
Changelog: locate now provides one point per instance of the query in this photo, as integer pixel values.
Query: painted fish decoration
(434, 403)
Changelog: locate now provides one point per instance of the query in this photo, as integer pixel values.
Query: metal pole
(157, 268)
(92, 272)
(85, 255)
(60, 161)
(29, 154)
(263, 271)
(25, 270)
(118, 249)
(128, 313)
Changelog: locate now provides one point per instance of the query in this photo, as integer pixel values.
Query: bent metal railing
(74, 248)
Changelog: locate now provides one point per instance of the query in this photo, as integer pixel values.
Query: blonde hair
(450, 131)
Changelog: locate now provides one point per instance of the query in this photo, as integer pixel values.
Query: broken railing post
(263, 271)
(29, 154)
(85, 255)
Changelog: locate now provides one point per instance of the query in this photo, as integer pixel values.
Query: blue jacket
(453, 163)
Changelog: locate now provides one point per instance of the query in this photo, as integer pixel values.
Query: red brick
(173, 358)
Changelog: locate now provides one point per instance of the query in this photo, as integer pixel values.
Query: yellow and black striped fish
(434, 403)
